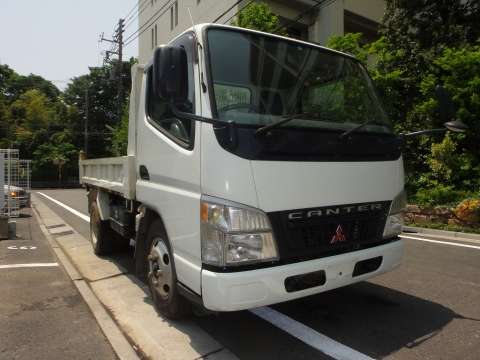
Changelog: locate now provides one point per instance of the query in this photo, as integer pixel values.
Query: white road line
(441, 242)
(73, 211)
(309, 336)
(14, 266)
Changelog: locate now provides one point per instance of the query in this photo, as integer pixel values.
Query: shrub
(468, 211)
(439, 195)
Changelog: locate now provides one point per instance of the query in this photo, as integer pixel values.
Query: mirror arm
(423, 132)
(230, 126)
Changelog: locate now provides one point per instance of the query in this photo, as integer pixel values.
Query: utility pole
(118, 42)
(120, 31)
(85, 135)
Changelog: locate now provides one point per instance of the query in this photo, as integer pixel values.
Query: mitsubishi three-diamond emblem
(339, 235)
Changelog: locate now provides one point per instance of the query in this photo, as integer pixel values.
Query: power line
(129, 14)
(230, 8)
(301, 15)
(145, 26)
(238, 12)
(141, 8)
(142, 28)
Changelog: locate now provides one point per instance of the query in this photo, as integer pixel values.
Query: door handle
(144, 175)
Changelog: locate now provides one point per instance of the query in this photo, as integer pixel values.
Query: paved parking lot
(426, 309)
(42, 315)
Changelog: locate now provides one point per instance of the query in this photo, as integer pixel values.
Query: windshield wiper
(266, 128)
(358, 127)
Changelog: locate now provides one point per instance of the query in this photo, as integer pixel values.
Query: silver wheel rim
(93, 235)
(160, 269)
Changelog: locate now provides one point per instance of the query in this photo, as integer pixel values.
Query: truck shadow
(367, 317)
(370, 318)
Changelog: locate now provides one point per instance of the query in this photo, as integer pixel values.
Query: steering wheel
(250, 107)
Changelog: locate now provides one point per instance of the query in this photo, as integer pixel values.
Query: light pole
(85, 135)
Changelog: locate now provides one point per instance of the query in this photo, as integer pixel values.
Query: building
(316, 20)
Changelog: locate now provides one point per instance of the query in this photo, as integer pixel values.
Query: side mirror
(446, 108)
(456, 126)
(170, 73)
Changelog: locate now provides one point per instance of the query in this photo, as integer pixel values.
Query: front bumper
(255, 288)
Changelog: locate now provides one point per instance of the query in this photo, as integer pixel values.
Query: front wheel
(162, 278)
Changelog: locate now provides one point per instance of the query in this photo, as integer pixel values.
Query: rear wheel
(162, 278)
(101, 235)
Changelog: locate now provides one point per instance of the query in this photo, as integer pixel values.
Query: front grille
(311, 233)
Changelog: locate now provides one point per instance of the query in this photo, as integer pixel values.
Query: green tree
(258, 16)
(55, 155)
(101, 88)
(12, 84)
(31, 118)
(350, 44)
(443, 169)
(29, 105)
(120, 136)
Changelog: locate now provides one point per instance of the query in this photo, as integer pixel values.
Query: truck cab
(260, 169)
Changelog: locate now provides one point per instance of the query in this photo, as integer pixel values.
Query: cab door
(168, 167)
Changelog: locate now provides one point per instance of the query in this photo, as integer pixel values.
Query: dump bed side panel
(115, 174)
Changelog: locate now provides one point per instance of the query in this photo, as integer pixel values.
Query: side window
(158, 111)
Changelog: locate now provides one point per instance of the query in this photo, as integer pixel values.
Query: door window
(158, 111)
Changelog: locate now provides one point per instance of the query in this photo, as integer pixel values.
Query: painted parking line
(33, 265)
(309, 336)
(15, 247)
(440, 242)
(66, 207)
(298, 330)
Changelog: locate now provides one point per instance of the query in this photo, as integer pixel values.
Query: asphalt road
(427, 309)
(42, 315)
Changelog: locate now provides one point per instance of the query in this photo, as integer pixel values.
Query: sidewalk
(127, 299)
(42, 314)
(441, 234)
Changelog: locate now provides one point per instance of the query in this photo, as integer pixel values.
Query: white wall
(329, 22)
(371, 9)
(204, 11)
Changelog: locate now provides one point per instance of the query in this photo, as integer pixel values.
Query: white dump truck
(260, 169)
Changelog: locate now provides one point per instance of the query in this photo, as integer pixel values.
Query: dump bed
(116, 174)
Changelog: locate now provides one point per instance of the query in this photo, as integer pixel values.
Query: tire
(162, 277)
(101, 235)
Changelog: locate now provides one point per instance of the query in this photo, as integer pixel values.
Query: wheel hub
(160, 269)
(93, 234)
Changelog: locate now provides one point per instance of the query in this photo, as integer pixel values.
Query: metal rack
(17, 174)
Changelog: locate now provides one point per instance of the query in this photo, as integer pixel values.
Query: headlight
(394, 224)
(234, 234)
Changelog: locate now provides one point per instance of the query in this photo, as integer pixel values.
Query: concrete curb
(442, 233)
(115, 337)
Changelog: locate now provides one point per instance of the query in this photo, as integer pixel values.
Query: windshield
(259, 80)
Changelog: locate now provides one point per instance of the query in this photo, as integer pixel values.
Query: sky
(58, 39)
